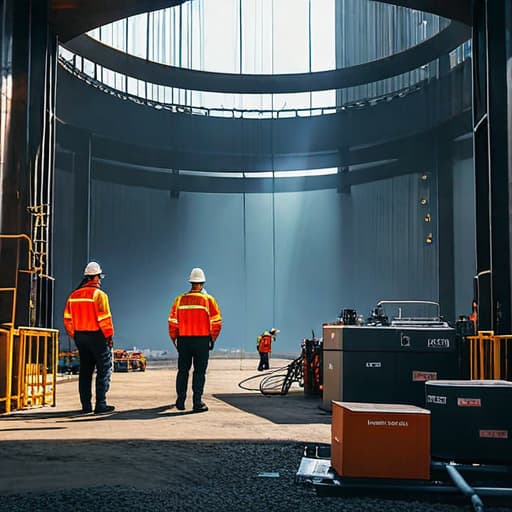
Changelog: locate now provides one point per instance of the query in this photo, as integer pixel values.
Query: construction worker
(194, 324)
(474, 316)
(264, 346)
(88, 321)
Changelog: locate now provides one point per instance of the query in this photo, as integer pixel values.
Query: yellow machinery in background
(28, 355)
(123, 361)
(129, 360)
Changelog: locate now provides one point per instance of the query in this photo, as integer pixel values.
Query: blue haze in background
(289, 260)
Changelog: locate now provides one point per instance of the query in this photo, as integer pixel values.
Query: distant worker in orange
(88, 321)
(474, 315)
(194, 323)
(264, 346)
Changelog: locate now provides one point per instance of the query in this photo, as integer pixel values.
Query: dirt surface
(241, 455)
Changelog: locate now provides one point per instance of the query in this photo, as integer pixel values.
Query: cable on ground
(274, 383)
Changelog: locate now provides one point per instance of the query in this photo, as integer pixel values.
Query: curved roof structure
(361, 141)
(71, 18)
(442, 43)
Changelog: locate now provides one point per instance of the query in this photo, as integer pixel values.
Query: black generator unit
(464, 328)
(387, 363)
(312, 366)
(470, 420)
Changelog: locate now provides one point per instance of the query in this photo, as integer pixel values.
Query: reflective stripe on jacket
(87, 309)
(195, 314)
(265, 343)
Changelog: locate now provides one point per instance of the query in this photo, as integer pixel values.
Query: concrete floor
(144, 412)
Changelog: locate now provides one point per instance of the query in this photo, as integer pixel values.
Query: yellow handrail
(6, 358)
(489, 355)
(31, 359)
(29, 269)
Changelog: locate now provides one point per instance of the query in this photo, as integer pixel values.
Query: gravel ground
(198, 476)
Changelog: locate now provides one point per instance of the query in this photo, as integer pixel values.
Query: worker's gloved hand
(110, 342)
(211, 343)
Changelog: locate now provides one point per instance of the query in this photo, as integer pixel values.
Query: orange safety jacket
(87, 309)
(265, 343)
(195, 314)
(474, 318)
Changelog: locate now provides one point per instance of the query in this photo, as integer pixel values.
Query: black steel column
(28, 50)
(41, 151)
(81, 203)
(444, 168)
(508, 57)
(492, 168)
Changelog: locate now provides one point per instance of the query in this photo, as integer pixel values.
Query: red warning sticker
(423, 376)
(469, 402)
(494, 434)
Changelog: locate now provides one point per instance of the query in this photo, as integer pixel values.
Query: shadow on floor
(290, 409)
(77, 415)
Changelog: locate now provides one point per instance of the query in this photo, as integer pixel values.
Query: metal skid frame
(493, 482)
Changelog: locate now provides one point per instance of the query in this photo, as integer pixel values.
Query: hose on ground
(274, 383)
(465, 488)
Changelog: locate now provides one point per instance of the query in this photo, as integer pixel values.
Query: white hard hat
(274, 330)
(197, 276)
(93, 269)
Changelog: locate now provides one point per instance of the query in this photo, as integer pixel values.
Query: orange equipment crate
(380, 440)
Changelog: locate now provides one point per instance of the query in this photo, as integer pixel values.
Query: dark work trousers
(192, 349)
(94, 353)
(263, 361)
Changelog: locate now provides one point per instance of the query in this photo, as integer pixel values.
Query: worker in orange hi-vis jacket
(194, 323)
(474, 316)
(88, 321)
(264, 346)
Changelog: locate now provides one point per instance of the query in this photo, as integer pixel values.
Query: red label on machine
(423, 376)
(469, 402)
(494, 434)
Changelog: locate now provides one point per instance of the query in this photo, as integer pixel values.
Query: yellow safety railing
(28, 366)
(6, 353)
(28, 355)
(489, 355)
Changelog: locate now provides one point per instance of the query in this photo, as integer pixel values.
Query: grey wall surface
(289, 260)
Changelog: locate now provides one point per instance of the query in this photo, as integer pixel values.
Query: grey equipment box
(386, 364)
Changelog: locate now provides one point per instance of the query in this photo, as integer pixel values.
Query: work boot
(103, 409)
(180, 405)
(200, 407)
(86, 409)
